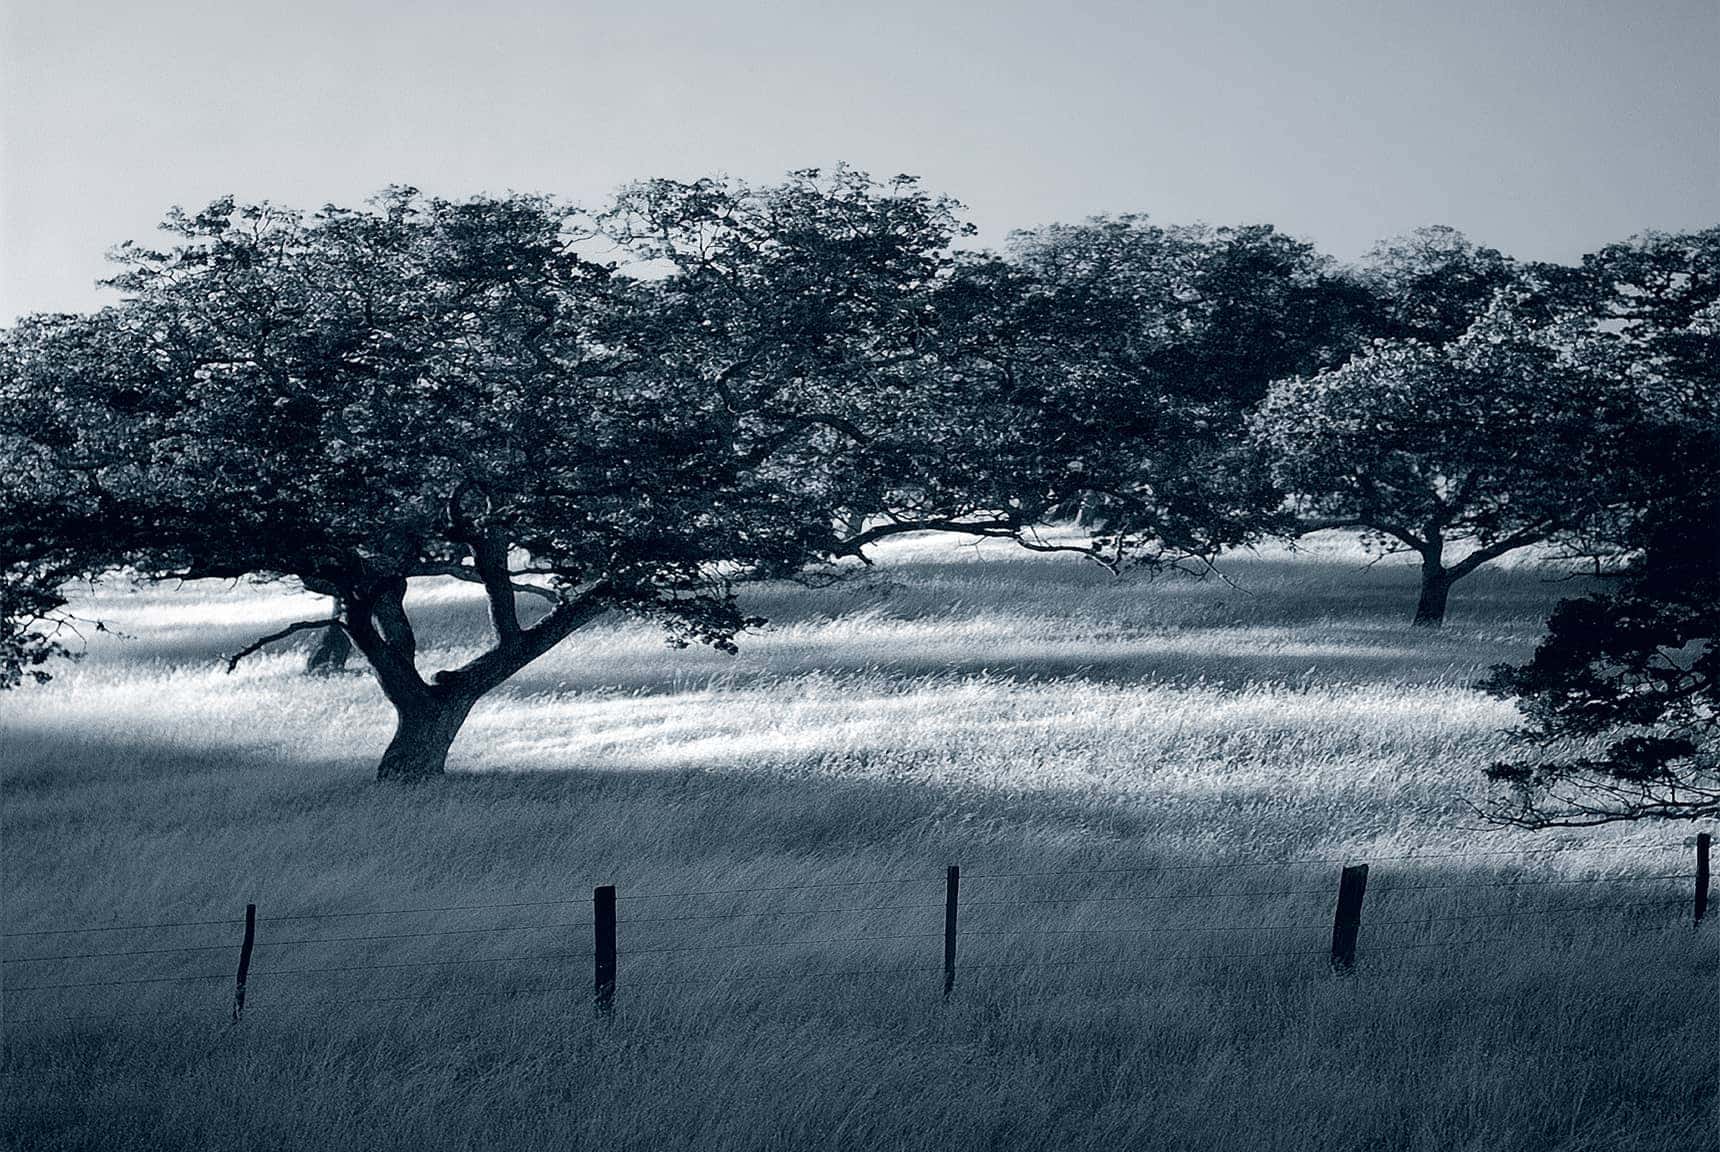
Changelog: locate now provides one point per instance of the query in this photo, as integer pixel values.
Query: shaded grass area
(1014, 714)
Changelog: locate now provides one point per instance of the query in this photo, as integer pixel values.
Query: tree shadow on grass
(1286, 616)
(734, 886)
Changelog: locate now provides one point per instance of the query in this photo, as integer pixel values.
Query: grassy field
(1029, 717)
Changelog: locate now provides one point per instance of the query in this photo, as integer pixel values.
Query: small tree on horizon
(1494, 441)
(1164, 339)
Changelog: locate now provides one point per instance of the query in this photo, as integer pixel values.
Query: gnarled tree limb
(258, 645)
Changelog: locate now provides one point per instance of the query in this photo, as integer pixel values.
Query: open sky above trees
(1575, 123)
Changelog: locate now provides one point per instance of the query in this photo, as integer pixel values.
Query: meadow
(1149, 785)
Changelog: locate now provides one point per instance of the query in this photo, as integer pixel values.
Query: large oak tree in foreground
(423, 388)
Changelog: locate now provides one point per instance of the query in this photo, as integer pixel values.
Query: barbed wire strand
(624, 894)
(113, 983)
(119, 928)
(1512, 913)
(781, 912)
(537, 956)
(1228, 865)
(1191, 929)
(434, 908)
(1529, 883)
(775, 944)
(1141, 899)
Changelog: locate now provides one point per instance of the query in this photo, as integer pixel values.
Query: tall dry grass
(1016, 714)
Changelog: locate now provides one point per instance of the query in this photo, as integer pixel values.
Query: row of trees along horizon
(705, 383)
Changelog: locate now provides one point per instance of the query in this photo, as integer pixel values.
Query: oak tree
(360, 398)
(1623, 693)
(1489, 443)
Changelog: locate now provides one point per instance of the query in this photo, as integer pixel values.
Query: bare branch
(301, 626)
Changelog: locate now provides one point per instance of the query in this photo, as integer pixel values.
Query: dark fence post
(244, 961)
(952, 888)
(603, 917)
(1703, 840)
(1347, 921)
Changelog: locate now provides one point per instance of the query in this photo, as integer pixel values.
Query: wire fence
(933, 932)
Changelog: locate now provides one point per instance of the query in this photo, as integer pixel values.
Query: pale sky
(1540, 127)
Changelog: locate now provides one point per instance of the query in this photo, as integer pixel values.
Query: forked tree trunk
(428, 714)
(1435, 591)
(423, 733)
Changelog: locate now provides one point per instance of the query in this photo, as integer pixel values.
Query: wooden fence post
(603, 917)
(244, 961)
(1703, 840)
(952, 888)
(1347, 920)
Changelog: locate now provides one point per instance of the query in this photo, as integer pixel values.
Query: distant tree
(1160, 341)
(1623, 693)
(1493, 441)
(424, 388)
(1430, 285)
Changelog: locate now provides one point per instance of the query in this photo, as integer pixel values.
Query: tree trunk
(423, 733)
(1435, 590)
(330, 654)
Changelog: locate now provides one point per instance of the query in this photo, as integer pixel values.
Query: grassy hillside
(1084, 748)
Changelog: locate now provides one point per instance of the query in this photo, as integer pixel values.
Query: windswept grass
(1026, 716)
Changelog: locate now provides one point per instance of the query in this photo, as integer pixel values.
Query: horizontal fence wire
(779, 912)
(1227, 865)
(1129, 960)
(120, 928)
(107, 955)
(1218, 865)
(476, 994)
(257, 973)
(1516, 912)
(624, 894)
(754, 916)
(1190, 929)
(174, 1013)
(623, 952)
(116, 983)
(775, 977)
(431, 908)
(229, 947)
(1468, 942)
(422, 935)
(1134, 899)
(1527, 883)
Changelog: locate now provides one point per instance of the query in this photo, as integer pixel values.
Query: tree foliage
(1156, 343)
(1430, 285)
(1494, 441)
(1623, 694)
(359, 398)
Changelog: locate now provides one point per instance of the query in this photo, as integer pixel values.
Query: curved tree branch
(258, 645)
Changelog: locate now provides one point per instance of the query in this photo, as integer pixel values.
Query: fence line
(608, 952)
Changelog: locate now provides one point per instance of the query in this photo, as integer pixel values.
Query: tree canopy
(1494, 441)
(1623, 694)
(358, 398)
(1163, 339)
(707, 383)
